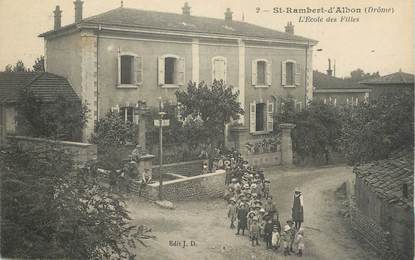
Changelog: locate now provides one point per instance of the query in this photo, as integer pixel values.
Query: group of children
(252, 208)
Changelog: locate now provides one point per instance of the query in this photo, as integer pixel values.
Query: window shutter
(180, 75)
(284, 73)
(138, 68)
(252, 117)
(297, 68)
(119, 69)
(161, 70)
(269, 73)
(270, 116)
(254, 72)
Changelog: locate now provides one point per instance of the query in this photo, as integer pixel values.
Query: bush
(62, 119)
(51, 209)
(373, 131)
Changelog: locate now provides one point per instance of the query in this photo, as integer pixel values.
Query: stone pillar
(142, 132)
(286, 145)
(240, 137)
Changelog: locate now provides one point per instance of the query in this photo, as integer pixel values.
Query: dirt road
(205, 229)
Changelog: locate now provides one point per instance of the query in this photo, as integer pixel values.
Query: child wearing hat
(299, 241)
(286, 239)
(293, 232)
(254, 231)
(241, 215)
(232, 210)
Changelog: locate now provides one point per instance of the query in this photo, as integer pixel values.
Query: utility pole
(161, 113)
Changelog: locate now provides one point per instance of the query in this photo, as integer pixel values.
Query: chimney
(78, 10)
(329, 71)
(228, 15)
(186, 9)
(289, 28)
(334, 68)
(57, 21)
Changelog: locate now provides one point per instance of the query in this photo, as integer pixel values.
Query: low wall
(82, 152)
(264, 159)
(188, 169)
(370, 231)
(211, 185)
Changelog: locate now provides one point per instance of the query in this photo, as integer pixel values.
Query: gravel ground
(205, 229)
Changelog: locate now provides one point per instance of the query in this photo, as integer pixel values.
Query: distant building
(384, 213)
(45, 86)
(337, 91)
(122, 56)
(397, 82)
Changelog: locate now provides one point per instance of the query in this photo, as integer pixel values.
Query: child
(293, 232)
(254, 231)
(250, 219)
(267, 187)
(241, 215)
(275, 240)
(268, 233)
(232, 212)
(286, 239)
(299, 241)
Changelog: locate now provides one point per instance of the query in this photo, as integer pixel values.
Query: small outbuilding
(384, 212)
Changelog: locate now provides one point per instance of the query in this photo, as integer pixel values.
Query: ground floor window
(260, 117)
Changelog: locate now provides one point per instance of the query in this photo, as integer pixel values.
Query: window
(261, 70)
(219, 68)
(170, 70)
(127, 65)
(261, 73)
(261, 117)
(126, 113)
(130, 70)
(290, 74)
(170, 67)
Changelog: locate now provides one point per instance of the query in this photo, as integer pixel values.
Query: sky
(381, 42)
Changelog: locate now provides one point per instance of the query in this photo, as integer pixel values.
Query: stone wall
(370, 231)
(188, 169)
(211, 185)
(82, 152)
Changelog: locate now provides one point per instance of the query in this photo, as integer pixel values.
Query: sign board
(164, 122)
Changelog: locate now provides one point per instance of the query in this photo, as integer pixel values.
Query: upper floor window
(261, 73)
(130, 70)
(290, 74)
(171, 70)
(127, 72)
(219, 68)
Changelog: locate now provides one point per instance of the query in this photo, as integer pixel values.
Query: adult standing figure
(297, 209)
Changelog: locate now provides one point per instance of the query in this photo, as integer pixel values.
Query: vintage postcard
(222, 129)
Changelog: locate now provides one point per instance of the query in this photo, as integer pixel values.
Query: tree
(316, 131)
(52, 208)
(215, 105)
(8, 68)
(111, 134)
(373, 131)
(62, 119)
(39, 65)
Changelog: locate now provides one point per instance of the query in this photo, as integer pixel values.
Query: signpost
(161, 123)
